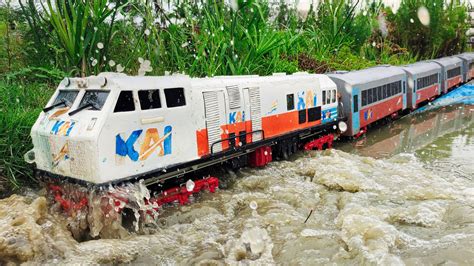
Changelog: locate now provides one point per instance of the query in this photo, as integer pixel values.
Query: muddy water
(402, 195)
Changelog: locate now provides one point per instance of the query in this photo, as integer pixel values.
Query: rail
(237, 136)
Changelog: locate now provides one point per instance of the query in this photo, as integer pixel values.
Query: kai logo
(236, 117)
(306, 99)
(368, 114)
(152, 142)
(62, 128)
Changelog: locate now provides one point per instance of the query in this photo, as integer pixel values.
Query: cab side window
(175, 97)
(149, 99)
(125, 102)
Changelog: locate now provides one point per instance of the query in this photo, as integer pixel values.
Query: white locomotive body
(112, 128)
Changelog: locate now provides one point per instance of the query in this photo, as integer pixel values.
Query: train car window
(328, 95)
(124, 102)
(314, 114)
(374, 94)
(471, 65)
(149, 99)
(364, 98)
(324, 97)
(334, 96)
(175, 97)
(95, 98)
(379, 93)
(290, 102)
(384, 92)
(454, 72)
(369, 96)
(356, 103)
(404, 89)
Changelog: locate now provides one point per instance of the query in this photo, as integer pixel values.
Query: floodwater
(404, 194)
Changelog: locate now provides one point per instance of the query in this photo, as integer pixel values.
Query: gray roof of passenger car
(468, 56)
(446, 61)
(369, 74)
(421, 67)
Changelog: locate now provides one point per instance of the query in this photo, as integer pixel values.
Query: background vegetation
(44, 41)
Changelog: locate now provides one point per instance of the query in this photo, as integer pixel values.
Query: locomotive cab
(66, 132)
(102, 129)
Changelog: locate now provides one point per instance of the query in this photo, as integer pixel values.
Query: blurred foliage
(20, 105)
(206, 38)
(444, 35)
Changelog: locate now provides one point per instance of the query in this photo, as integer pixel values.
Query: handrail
(237, 136)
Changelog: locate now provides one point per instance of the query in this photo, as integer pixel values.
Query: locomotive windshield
(95, 99)
(67, 96)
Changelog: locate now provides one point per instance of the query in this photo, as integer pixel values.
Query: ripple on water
(365, 210)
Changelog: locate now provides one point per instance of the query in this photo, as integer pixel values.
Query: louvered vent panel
(212, 119)
(255, 111)
(234, 97)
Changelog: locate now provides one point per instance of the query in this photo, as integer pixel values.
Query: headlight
(342, 126)
(29, 156)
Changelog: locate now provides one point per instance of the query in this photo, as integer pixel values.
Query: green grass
(19, 109)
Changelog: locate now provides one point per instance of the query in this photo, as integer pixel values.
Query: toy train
(113, 128)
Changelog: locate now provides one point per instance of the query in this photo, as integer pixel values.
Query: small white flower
(95, 28)
(111, 6)
(120, 68)
(185, 44)
(412, 21)
(234, 5)
(232, 42)
(147, 32)
(140, 60)
(138, 20)
(94, 62)
(222, 28)
(100, 45)
(111, 63)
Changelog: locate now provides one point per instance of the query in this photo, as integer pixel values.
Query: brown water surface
(404, 194)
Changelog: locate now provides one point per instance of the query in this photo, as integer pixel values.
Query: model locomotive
(113, 128)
